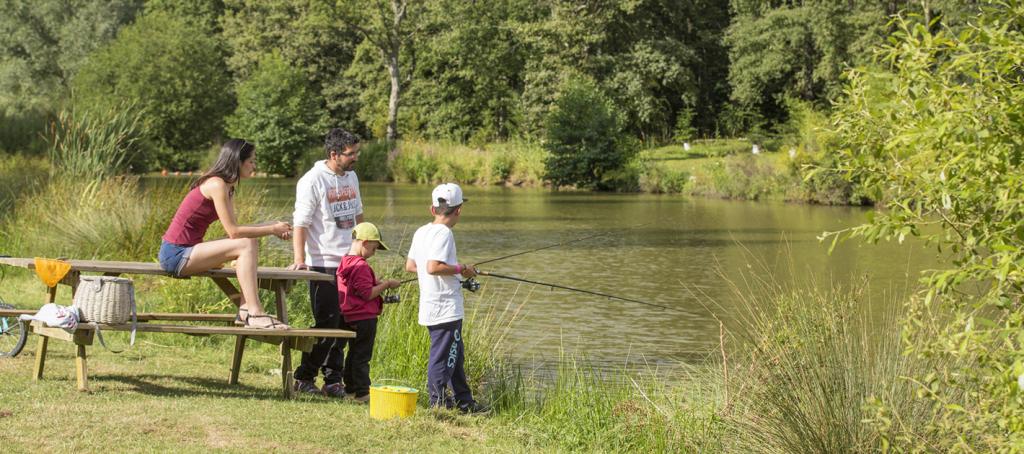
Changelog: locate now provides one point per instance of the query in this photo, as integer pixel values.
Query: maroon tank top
(192, 219)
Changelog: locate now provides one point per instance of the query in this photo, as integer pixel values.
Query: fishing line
(605, 295)
(599, 234)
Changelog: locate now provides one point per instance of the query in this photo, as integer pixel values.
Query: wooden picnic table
(278, 280)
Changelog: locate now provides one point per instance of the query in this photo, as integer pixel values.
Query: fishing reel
(392, 299)
(471, 284)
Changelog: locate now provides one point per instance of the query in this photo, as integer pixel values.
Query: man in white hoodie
(327, 207)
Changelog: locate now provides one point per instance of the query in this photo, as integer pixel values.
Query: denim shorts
(173, 257)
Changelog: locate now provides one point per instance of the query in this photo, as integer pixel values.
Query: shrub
(172, 70)
(278, 112)
(934, 130)
(22, 132)
(583, 134)
(746, 176)
(374, 160)
(685, 131)
(658, 179)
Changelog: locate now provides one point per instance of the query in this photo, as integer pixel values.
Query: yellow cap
(366, 231)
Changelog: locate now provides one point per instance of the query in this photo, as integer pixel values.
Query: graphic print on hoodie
(327, 204)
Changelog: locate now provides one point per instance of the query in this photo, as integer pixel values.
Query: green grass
(700, 149)
(171, 398)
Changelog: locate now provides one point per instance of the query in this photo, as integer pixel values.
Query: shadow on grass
(182, 386)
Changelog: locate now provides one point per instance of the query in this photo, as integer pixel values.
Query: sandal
(274, 323)
(239, 319)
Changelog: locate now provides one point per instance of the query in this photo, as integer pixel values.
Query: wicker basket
(105, 299)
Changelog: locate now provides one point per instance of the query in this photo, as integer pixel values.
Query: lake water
(672, 251)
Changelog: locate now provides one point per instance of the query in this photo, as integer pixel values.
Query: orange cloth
(51, 271)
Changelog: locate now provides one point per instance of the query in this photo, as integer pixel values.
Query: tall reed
(809, 362)
(94, 145)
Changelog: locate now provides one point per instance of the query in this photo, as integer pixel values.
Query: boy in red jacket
(359, 296)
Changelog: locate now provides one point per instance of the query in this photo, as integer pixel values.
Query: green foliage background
(173, 71)
(471, 73)
(279, 113)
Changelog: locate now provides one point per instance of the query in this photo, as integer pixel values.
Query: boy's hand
(392, 283)
(469, 271)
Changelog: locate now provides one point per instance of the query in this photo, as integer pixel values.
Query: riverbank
(719, 168)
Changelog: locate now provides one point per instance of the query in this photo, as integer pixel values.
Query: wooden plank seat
(147, 316)
(297, 339)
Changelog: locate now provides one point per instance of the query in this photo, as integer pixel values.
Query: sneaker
(475, 408)
(306, 386)
(364, 399)
(334, 390)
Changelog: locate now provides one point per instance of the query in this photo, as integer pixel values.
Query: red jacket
(355, 283)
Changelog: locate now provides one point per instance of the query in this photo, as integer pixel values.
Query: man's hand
(297, 266)
(392, 283)
(468, 271)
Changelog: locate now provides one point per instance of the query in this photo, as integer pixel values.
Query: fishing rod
(546, 284)
(472, 285)
(599, 234)
(596, 235)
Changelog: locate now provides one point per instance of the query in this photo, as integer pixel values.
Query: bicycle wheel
(12, 333)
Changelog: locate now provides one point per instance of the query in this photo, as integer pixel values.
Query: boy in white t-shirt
(432, 257)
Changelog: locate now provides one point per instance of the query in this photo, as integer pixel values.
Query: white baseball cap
(450, 192)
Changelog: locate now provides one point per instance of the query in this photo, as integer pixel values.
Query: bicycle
(13, 332)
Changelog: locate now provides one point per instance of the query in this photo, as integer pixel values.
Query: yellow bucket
(388, 402)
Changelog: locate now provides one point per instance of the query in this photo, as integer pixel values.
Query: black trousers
(326, 355)
(360, 352)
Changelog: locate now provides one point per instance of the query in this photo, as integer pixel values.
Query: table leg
(236, 360)
(286, 352)
(40, 357)
(229, 289)
(81, 372)
(286, 369)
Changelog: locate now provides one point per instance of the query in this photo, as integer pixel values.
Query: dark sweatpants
(327, 353)
(360, 352)
(445, 366)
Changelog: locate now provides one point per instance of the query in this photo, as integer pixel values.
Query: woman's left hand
(282, 230)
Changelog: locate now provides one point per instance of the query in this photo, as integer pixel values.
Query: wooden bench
(278, 280)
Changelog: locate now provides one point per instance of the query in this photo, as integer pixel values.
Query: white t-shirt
(440, 296)
(327, 205)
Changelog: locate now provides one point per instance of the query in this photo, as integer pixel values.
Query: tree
(309, 35)
(172, 70)
(934, 130)
(279, 113)
(204, 14)
(387, 25)
(583, 134)
(43, 42)
(468, 70)
(800, 49)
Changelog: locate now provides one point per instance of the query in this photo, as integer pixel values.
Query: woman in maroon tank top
(211, 198)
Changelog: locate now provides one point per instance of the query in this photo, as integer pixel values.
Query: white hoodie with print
(326, 204)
